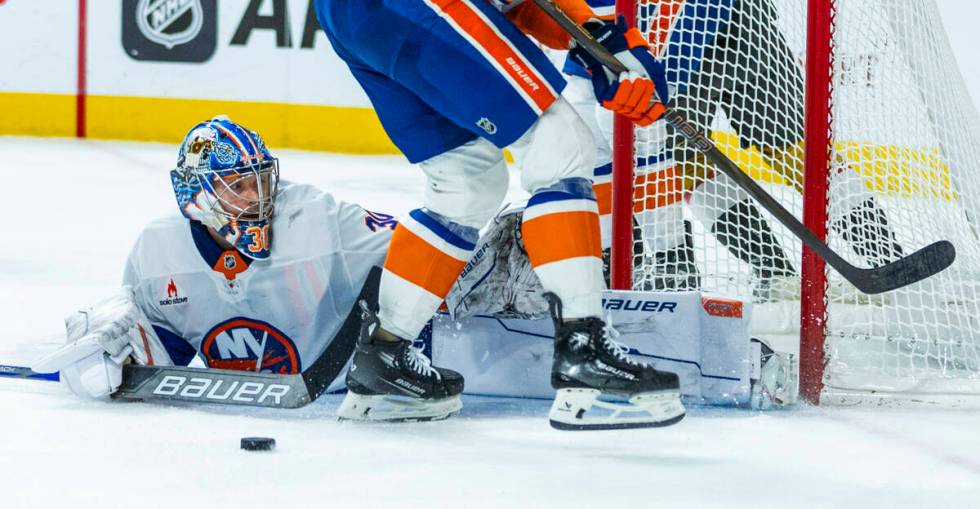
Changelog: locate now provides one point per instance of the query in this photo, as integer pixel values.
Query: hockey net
(900, 170)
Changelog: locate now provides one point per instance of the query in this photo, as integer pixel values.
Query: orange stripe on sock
(655, 190)
(603, 197)
(420, 263)
(561, 236)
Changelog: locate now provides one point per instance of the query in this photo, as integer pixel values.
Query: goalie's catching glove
(639, 94)
(100, 339)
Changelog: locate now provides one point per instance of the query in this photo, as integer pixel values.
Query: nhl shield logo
(170, 22)
(230, 262)
(488, 126)
(170, 30)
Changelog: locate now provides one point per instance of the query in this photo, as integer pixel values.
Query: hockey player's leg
(725, 210)
(669, 264)
(561, 236)
(857, 216)
(389, 379)
(765, 106)
(734, 219)
(442, 75)
(659, 215)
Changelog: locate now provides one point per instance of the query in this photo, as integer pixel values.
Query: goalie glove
(639, 94)
(100, 340)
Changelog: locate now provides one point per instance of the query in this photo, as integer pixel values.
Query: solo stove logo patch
(173, 295)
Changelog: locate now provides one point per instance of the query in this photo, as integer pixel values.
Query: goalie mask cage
(853, 115)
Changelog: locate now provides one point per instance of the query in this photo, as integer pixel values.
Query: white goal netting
(904, 172)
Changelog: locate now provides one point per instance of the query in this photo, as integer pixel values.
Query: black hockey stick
(231, 387)
(919, 265)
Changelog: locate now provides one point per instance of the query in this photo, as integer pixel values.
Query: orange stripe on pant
(561, 236)
(512, 62)
(420, 263)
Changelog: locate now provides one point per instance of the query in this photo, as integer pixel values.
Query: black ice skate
(588, 363)
(394, 381)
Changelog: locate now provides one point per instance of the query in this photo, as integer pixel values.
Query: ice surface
(72, 208)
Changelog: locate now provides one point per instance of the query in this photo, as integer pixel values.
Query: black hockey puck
(258, 443)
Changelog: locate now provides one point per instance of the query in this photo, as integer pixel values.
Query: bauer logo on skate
(245, 344)
(173, 295)
(639, 305)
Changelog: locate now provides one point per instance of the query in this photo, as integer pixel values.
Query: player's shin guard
(426, 255)
(561, 235)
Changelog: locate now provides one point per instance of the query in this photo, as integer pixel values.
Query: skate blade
(388, 408)
(576, 409)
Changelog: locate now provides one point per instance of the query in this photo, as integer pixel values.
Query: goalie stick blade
(220, 386)
(915, 267)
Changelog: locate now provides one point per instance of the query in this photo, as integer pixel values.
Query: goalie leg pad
(388, 408)
(581, 409)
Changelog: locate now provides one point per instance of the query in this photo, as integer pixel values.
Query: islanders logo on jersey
(246, 344)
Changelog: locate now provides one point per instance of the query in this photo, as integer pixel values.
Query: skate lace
(615, 348)
(419, 363)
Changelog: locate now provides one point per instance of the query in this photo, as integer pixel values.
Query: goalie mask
(226, 179)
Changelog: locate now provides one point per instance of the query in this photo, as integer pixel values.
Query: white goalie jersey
(276, 315)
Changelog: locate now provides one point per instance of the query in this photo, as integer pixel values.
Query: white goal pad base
(705, 340)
